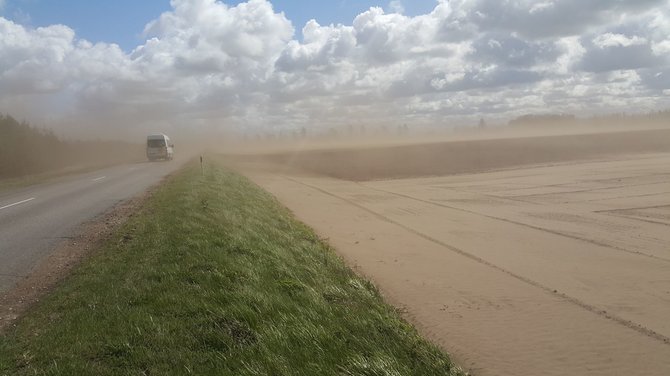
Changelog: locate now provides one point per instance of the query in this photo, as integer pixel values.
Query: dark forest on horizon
(26, 150)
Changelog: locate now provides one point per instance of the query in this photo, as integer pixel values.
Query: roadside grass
(214, 277)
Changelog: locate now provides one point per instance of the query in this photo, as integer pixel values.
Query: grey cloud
(506, 49)
(242, 65)
(495, 79)
(657, 79)
(456, 30)
(421, 81)
(618, 57)
(552, 18)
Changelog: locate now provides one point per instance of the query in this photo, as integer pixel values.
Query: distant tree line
(657, 117)
(27, 150)
(542, 119)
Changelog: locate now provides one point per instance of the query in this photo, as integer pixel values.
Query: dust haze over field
(498, 168)
(417, 157)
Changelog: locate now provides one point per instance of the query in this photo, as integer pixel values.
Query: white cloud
(661, 48)
(617, 40)
(208, 63)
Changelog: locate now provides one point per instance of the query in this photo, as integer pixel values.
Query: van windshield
(155, 143)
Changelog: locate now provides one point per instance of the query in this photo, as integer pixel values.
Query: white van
(159, 147)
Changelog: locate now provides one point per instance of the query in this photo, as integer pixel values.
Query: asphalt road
(34, 220)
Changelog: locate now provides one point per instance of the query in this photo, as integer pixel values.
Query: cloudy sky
(203, 64)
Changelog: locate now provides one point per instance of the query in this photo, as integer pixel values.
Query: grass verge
(214, 277)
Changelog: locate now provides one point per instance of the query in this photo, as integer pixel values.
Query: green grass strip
(214, 277)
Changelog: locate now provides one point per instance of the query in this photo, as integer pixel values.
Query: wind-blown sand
(559, 269)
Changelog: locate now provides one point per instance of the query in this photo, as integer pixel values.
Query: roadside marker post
(202, 169)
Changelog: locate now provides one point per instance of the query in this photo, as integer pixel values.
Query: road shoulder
(60, 263)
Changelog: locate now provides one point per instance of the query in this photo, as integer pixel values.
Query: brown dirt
(531, 269)
(70, 253)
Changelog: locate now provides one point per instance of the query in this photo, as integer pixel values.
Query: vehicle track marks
(554, 232)
(590, 308)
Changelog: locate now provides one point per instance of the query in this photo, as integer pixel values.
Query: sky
(122, 21)
(106, 68)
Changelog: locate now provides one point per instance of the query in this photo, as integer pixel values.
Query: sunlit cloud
(205, 63)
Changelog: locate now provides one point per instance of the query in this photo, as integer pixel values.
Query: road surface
(35, 219)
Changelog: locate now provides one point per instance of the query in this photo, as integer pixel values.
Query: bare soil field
(555, 261)
(363, 163)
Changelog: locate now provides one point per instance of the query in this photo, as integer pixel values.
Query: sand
(557, 268)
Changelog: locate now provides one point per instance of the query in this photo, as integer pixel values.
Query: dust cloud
(515, 247)
(353, 153)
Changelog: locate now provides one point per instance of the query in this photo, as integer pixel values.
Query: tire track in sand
(511, 221)
(590, 308)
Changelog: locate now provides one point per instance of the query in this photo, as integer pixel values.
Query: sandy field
(534, 256)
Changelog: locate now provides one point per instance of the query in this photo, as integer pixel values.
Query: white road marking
(100, 178)
(17, 203)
